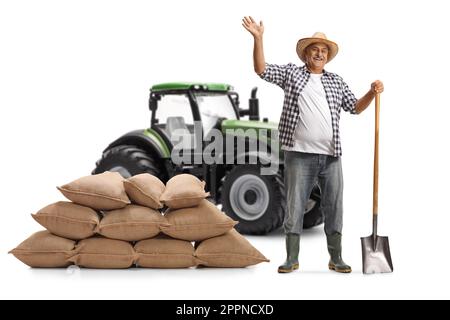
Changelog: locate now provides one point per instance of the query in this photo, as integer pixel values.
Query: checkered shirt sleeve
(348, 99)
(276, 74)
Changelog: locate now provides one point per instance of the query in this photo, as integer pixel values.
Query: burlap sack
(132, 223)
(104, 191)
(164, 252)
(183, 191)
(197, 223)
(45, 250)
(102, 253)
(230, 250)
(145, 190)
(68, 220)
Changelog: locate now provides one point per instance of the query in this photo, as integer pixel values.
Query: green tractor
(234, 172)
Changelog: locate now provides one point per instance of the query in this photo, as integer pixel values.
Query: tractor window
(212, 107)
(175, 119)
(172, 105)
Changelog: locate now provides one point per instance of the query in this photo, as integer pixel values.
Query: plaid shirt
(292, 79)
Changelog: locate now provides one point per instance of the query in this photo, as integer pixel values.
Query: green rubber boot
(292, 249)
(334, 248)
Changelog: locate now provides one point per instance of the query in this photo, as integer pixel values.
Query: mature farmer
(309, 135)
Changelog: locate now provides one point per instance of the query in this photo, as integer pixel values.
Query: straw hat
(317, 37)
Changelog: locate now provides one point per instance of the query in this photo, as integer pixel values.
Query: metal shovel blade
(376, 255)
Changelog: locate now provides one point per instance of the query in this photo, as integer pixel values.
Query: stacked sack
(113, 222)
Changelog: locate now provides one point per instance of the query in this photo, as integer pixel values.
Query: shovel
(376, 254)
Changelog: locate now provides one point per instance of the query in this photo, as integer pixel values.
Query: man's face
(316, 55)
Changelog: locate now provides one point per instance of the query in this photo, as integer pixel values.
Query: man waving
(309, 135)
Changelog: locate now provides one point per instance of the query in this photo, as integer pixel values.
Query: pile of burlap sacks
(111, 222)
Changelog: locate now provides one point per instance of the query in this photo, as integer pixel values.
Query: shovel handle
(375, 160)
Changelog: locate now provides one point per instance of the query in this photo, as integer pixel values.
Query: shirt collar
(305, 70)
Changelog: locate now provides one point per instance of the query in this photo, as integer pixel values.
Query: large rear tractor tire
(129, 160)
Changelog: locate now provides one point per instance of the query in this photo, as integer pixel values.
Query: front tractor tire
(128, 160)
(258, 201)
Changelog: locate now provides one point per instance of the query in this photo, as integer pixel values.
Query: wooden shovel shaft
(375, 161)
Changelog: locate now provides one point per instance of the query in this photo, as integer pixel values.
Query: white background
(74, 75)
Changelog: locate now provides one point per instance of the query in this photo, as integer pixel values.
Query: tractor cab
(176, 107)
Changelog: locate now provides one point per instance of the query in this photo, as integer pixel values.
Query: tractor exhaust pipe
(253, 104)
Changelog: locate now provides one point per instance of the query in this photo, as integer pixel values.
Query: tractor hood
(248, 124)
(244, 125)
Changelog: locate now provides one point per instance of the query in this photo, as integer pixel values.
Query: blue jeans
(302, 171)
